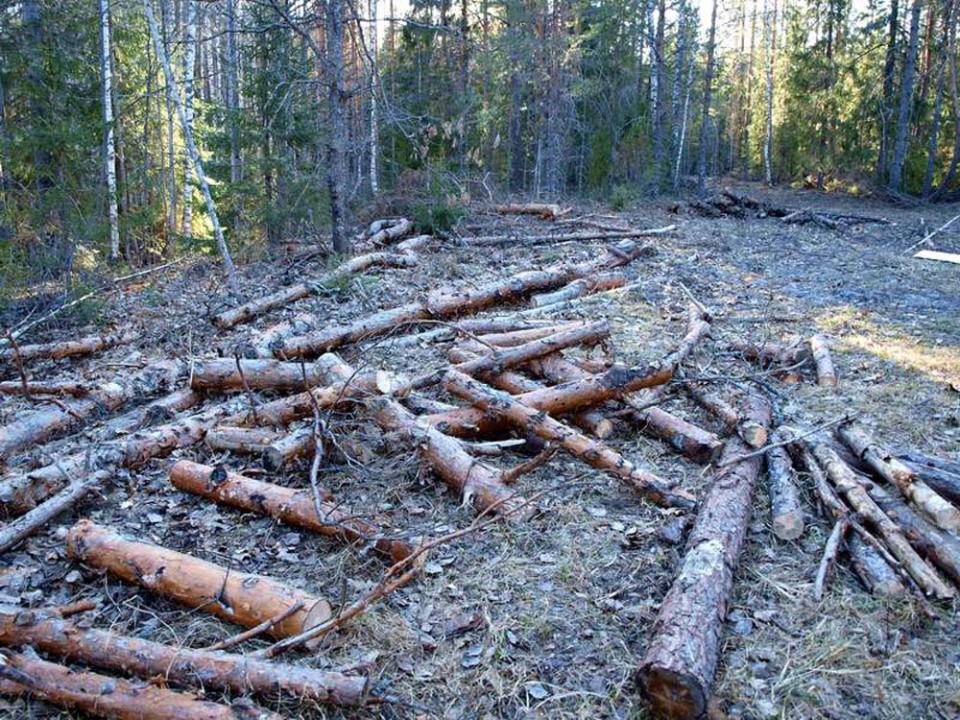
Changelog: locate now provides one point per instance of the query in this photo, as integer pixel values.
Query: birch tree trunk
(707, 99)
(189, 59)
(906, 94)
(191, 144)
(109, 150)
(337, 144)
(374, 110)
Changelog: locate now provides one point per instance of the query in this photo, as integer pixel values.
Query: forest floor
(549, 618)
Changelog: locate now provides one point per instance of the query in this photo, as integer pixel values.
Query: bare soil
(549, 618)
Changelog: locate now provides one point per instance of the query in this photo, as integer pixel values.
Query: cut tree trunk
(242, 598)
(750, 432)
(785, 511)
(678, 669)
(109, 697)
(247, 312)
(467, 328)
(444, 303)
(532, 240)
(849, 486)
(294, 507)
(68, 348)
(686, 438)
(826, 373)
(769, 353)
(592, 452)
(544, 211)
(886, 466)
(391, 233)
(251, 441)
(278, 454)
(236, 375)
(579, 288)
(73, 389)
(261, 341)
(937, 476)
(42, 425)
(239, 674)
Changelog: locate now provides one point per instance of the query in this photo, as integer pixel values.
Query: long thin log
(579, 288)
(886, 466)
(386, 235)
(294, 507)
(826, 372)
(74, 389)
(847, 484)
(466, 328)
(545, 211)
(278, 454)
(750, 432)
(248, 311)
(942, 481)
(47, 632)
(531, 240)
(252, 441)
(829, 558)
(69, 348)
(577, 444)
(239, 374)
(785, 511)
(259, 344)
(41, 425)
(769, 353)
(688, 439)
(243, 598)
(444, 303)
(107, 697)
(678, 668)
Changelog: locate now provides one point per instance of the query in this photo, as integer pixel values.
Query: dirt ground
(549, 618)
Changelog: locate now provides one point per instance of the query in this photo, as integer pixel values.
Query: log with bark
(526, 240)
(467, 327)
(593, 452)
(770, 353)
(579, 288)
(846, 482)
(886, 466)
(47, 632)
(42, 425)
(677, 670)
(259, 344)
(237, 374)
(248, 311)
(941, 475)
(544, 211)
(278, 454)
(444, 303)
(243, 598)
(785, 511)
(752, 433)
(29, 388)
(294, 507)
(390, 232)
(251, 441)
(68, 348)
(826, 372)
(24, 674)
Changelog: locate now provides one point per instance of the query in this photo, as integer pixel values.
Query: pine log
(770, 353)
(933, 461)
(677, 671)
(847, 484)
(74, 389)
(829, 559)
(686, 438)
(465, 328)
(940, 548)
(259, 344)
(577, 444)
(544, 211)
(886, 466)
(248, 311)
(243, 598)
(579, 288)
(785, 511)
(750, 432)
(481, 343)
(47, 632)
(532, 240)
(443, 303)
(389, 233)
(251, 441)
(278, 454)
(870, 565)
(24, 674)
(826, 373)
(294, 507)
(944, 482)
(42, 425)
(69, 348)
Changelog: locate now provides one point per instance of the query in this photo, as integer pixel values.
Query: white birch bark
(189, 59)
(110, 152)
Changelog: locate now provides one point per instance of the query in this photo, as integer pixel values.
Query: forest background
(135, 130)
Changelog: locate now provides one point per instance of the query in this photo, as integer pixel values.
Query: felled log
(47, 632)
(443, 303)
(68, 348)
(677, 670)
(544, 211)
(278, 454)
(532, 240)
(74, 389)
(940, 548)
(481, 343)
(294, 507)
(886, 466)
(24, 674)
(826, 373)
(232, 374)
(829, 558)
(243, 598)
(251, 441)
(770, 353)
(259, 344)
(248, 311)
(936, 473)
(750, 432)
(869, 563)
(465, 328)
(785, 511)
(579, 288)
(41, 425)
(592, 452)
(688, 439)
(847, 484)
(388, 233)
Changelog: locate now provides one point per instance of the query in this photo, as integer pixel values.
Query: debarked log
(243, 598)
(251, 441)
(579, 288)
(47, 632)
(826, 372)
(24, 674)
(785, 511)
(294, 507)
(593, 452)
(677, 670)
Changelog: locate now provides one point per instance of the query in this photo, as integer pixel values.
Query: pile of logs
(728, 204)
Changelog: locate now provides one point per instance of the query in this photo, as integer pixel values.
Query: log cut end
(789, 525)
(753, 434)
(673, 695)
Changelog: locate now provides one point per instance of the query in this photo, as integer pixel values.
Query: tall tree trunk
(685, 112)
(4, 150)
(109, 151)
(233, 92)
(886, 104)
(171, 149)
(771, 29)
(906, 94)
(191, 144)
(658, 78)
(374, 87)
(189, 60)
(337, 145)
(951, 59)
(935, 125)
(748, 102)
(707, 99)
